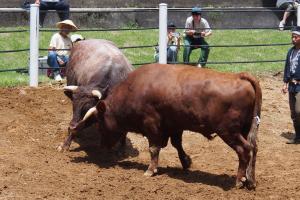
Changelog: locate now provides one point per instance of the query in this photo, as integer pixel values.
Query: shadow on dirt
(89, 141)
(287, 135)
(223, 181)
(104, 158)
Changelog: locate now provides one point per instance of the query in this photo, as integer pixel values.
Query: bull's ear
(101, 107)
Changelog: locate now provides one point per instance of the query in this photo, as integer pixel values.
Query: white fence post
(163, 18)
(34, 45)
(298, 15)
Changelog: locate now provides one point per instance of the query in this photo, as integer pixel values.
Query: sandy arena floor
(34, 121)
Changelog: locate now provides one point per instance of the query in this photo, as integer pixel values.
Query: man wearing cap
(196, 30)
(291, 81)
(173, 44)
(59, 48)
(61, 6)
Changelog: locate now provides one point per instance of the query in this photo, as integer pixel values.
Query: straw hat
(67, 22)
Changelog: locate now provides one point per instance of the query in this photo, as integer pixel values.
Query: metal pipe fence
(74, 10)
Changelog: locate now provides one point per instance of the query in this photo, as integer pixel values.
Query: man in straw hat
(291, 81)
(59, 48)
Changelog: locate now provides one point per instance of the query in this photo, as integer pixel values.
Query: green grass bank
(11, 41)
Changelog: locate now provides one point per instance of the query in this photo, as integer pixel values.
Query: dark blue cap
(171, 25)
(296, 30)
(196, 11)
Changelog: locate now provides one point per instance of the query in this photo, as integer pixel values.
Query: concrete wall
(150, 19)
(154, 3)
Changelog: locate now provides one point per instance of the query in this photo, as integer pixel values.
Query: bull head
(89, 113)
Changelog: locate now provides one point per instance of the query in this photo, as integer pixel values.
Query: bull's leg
(154, 153)
(247, 157)
(66, 144)
(243, 149)
(176, 141)
(121, 146)
(250, 172)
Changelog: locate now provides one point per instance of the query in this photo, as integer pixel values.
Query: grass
(9, 41)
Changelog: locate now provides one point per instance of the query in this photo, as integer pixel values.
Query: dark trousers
(188, 49)
(294, 101)
(62, 7)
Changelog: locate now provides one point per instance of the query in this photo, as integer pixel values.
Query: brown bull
(161, 101)
(95, 67)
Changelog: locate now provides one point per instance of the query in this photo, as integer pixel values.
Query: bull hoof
(186, 162)
(150, 173)
(241, 183)
(251, 186)
(61, 148)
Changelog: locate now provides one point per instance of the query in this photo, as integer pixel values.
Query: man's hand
(170, 35)
(203, 34)
(60, 61)
(284, 88)
(190, 32)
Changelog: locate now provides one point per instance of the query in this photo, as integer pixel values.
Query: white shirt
(199, 27)
(294, 60)
(60, 42)
(280, 2)
(50, 0)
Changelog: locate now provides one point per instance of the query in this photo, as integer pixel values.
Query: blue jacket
(287, 76)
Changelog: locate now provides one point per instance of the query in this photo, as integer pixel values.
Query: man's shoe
(281, 25)
(294, 141)
(57, 77)
(199, 65)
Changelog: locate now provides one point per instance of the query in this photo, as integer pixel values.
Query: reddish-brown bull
(161, 101)
(95, 67)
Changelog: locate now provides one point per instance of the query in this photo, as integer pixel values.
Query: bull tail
(252, 135)
(257, 107)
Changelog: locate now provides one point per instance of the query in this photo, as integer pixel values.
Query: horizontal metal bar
(13, 51)
(13, 31)
(223, 63)
(153, 9)
(13, 70)
(211, 46)
(103, 30)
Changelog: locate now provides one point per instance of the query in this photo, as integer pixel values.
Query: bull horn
(89, 113)
(97, 93)
(71, 87)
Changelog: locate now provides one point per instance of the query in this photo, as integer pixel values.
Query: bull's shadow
(89, 141)
(106, 159)
(223, 181)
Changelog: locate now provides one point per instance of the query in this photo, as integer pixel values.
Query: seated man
(173, 44)
(288, 6)
(196, 29)
(59, 48)
(61, 6)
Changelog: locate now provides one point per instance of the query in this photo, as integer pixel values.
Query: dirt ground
(33, 122)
